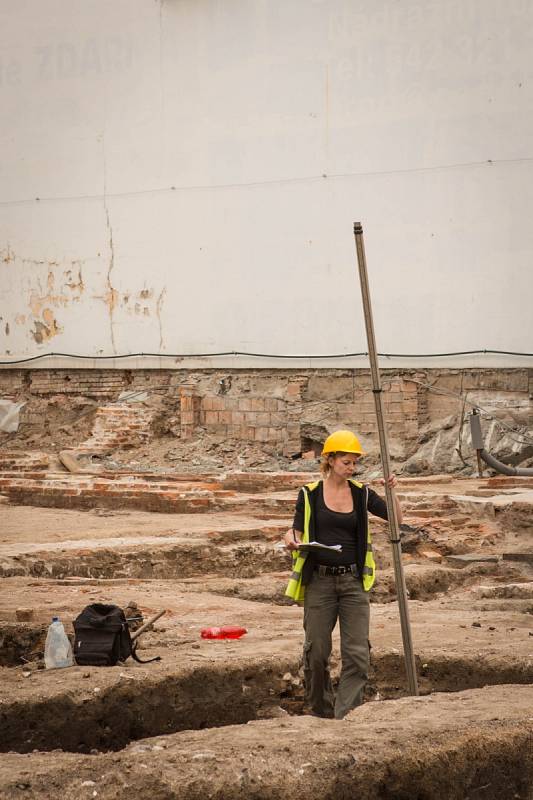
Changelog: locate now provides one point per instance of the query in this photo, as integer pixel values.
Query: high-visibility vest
(295, 590)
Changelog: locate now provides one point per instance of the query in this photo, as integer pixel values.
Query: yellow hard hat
(342, 442)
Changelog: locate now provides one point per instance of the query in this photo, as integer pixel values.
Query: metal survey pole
(394, 528)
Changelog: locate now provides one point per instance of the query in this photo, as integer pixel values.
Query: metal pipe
(394, 528)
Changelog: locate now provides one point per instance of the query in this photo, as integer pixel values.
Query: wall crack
(111, 296)
(158, 307)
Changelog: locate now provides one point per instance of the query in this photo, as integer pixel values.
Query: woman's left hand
(393, 483)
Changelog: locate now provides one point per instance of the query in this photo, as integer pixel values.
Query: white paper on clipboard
(312, 546)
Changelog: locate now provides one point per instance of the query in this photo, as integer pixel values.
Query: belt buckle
(346, 570)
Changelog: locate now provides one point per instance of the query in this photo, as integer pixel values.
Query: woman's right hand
(292, 539)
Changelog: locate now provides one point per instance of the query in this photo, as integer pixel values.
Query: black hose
(504, 469)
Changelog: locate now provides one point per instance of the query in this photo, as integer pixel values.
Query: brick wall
(97, 383)
(281, 407)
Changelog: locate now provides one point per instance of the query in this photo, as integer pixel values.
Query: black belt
(341, 570)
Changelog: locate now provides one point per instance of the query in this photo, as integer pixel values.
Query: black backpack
(102, 637)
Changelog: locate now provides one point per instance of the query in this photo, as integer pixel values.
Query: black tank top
(335, 527)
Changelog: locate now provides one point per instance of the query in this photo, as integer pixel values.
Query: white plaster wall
(199, 165)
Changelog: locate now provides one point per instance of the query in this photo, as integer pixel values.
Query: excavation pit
(474, 744)
(242, 701)
(81, 709)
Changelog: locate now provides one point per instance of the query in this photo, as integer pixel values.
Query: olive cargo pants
(327, 598)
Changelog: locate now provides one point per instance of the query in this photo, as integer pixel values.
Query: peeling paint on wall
(74, 282)
(135, 302)
(42, 302)
(7, 255)
(43, 331)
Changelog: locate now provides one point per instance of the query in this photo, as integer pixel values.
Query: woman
(333, 584)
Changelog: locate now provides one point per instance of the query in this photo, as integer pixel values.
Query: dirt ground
(227, 719)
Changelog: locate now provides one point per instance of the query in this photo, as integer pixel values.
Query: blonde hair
(325, 466)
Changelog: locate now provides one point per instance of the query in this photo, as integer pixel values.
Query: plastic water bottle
(225, 632)
(57, 649)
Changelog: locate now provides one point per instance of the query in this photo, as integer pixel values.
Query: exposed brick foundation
(118, 426)
(288, 409)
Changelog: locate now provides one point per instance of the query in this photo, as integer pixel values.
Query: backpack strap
(141, 660)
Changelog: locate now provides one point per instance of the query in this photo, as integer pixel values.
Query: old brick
(261, 434)
(410, 406)
(217, 404)
(271, 404)
(294, 391)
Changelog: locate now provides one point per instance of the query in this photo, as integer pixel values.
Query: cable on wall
(488, 162)
(287, 356)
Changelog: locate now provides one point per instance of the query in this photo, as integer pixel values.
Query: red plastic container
(224, 632)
